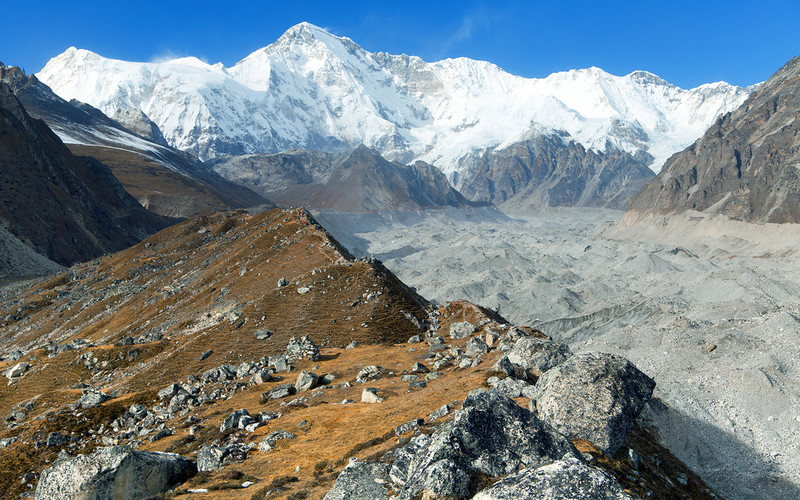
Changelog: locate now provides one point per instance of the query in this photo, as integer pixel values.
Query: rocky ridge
(247, 343)
(81, 211)
(743, 167)
(358, 181)
(164, 180)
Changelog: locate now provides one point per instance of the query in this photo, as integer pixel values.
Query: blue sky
(685, 42)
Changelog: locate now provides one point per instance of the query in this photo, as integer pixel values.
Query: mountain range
(314, 90)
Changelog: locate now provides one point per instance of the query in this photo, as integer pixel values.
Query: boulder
(593, 396)
(568, 478)
(461, 330)
(91, 398)
(268, 442)
(361, 481)
(490, 436)
(305, 381)
(369, 372)
(262, 334)
(214, 456)
(535, 356)
(115, 472)
(301, 348)
(476, 347)
(237, 420)
(17, 370)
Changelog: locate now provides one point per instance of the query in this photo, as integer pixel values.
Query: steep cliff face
(359, 181)
(549, 170)
(745, 166)
(65, 207)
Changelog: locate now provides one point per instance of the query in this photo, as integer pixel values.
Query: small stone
(304, 290)
(17, 370)
(417, 384)
(268, 443)
(282, 282)
(351, 345)
(305, 381)
(411, 425)
(369, 372)
(415, 339)
(262, 334)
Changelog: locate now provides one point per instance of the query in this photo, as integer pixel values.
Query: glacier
(314, 90)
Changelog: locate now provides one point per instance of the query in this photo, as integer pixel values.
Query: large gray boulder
(461, 330)
(361, 481)
(533, 356)
(593, 396)
(115, 472)
(491, 436)
(564, 479)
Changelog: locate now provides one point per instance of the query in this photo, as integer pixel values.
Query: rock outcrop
(116, 472)
(744, 166)
(568, 478)
(595, 397)
(549, 170)
(359, 181)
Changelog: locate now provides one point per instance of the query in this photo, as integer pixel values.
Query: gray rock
(280, 391)
(116, 472)
(262, 334)
(594, 396)
(419, 368)
(443, 411)
(169, 391)
(261, 377)
(563, 479)
(301, 348)
(305, 381)
(370, 372)
(535, 355)
(461, 330)
(268, 442)
(282, 282)
(411, 425)
(237, 420)
(245, 369)
(415, 339)
(279, 363)
(6, 442)
(17, 370)
(91, 398)
(476, 347)
(510, 387)
(351, 345)
(213, 456)
(206, 354)
(361, 481)
(491, 435)
(56, 439)
(417, 384)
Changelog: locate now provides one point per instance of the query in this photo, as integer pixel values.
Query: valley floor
(713, 318)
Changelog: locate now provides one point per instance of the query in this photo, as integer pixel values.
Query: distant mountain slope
(551, 170)
(164, 180)
(359, 181)
(313, 90)
(64, 207)
(746, 164)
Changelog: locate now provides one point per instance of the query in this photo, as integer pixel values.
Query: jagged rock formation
(359, 181)
(64, 207)
(744, 166)
(550, 170)
(164, 180)
(116, 472)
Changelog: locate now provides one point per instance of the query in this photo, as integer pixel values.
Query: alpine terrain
(316, 91)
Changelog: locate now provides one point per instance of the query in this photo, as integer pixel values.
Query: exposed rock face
(162, 179)
(358, 181)
(490, 435)
(81, 210)
(361, 481)
(116, 472)
(531, 356)
(744, 166)
(563, 479)
(593, 396)
(552, 171)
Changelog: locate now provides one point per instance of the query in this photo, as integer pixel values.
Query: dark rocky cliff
(746, 164)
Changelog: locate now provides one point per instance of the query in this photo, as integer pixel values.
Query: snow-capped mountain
(313, 90)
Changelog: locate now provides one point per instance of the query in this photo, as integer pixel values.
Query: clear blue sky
(684, 42)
